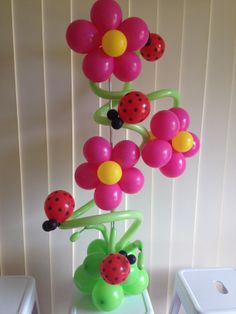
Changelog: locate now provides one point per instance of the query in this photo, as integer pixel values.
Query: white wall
(46, 115)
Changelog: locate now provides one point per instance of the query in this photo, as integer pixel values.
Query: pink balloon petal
(127, 67)
(126, 153)
(82, 36)
(195, 148)
(106, 15)
(86, 176)
(136, 32)
(175, 166)
(97, 149)
(157, 153)
(183, 117)
(108, 197)
(132, 180)
(97, 66)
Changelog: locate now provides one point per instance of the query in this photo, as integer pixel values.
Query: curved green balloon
(110, 95)
(92, 264)
(97, 246)
(105, 218)
(139, 285)
(83, 281)
(107, 297)
(163, 93)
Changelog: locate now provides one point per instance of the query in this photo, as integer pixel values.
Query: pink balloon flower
(108, 43)
(110, 171)
(170, 142)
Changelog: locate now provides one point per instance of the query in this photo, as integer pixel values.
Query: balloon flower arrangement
(114, 267)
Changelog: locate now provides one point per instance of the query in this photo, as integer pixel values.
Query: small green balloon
(107, 297)
(83, 281)
(97, 246)
(133, 275)
(92, 264)
(75, 236)
(139, 285)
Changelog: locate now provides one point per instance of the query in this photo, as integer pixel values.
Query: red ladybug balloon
(154, 48)
(134, 107)
(59, 205)
(115, 268)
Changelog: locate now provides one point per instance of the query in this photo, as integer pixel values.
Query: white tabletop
(17, 294)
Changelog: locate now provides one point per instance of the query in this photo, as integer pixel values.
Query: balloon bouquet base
(112, 274)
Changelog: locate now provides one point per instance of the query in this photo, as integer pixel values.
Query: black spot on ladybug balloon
(58, 206)
(134, 107)
(154, 48)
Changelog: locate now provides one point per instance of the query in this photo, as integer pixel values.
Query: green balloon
(97, 246)
(133, 275)
(83, 281)
(107, 297)
(139, 285)
(92, 264)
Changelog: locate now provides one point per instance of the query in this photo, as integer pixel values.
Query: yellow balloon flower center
(114, 43)
(109, 172)
(182, 142)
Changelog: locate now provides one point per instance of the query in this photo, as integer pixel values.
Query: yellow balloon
(109, 172)
(151, 136)
(114, 43)
(182, 142)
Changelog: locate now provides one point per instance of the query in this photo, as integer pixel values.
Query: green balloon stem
(133, 246)
(163, 93)
(106, 218)
(140, 262)
(82, 210)
(110, 95)
(111, 247)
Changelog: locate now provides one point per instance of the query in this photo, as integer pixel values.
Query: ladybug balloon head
(154, 48)
(58, 206)
(116, 121)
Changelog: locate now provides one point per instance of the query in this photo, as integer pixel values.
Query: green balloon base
(134, 304)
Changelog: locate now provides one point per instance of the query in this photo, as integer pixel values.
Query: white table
(18, 295)
(136, 304)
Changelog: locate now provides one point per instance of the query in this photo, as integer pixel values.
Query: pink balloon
(127, 67)
(183, 117)
(126, 153)
(106, 15)
(175, 167)
(97, 149)
(136, 32)
(107, 197)
(82, 36)
(97, 66)
(157, 153)
(86, 176)
(132, 180)
(195, 148)
(165, 125)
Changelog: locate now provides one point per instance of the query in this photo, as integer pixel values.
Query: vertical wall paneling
(218, 91)
(12, 246)
(170, 25)
(32, 125)
(57, 74)
(143, 203)
(193, 57)
(85, 103)
(227, 232)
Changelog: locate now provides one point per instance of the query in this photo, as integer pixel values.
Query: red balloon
(134, 107)
(86, 176)
(175, 167)
(59, 205)
(115, 268)
(154, 48)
